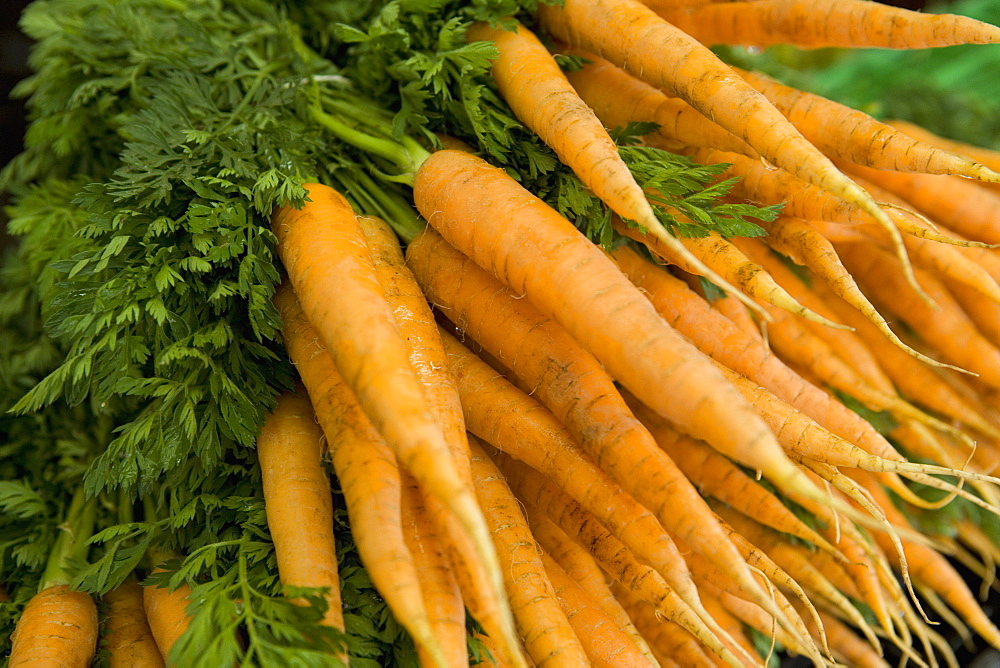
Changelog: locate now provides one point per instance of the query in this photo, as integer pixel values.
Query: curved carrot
(538, 92)
(166, 612)
(368, 473)
(582, 289)
(719, 338)
(802, 199)
(803, 242)
(825, 23)
(298, 501)
(324, 250)
(58, 627)
(604, 642)
(632, 36)
(571, 383)
(842, 132)
(544, 628)
(717, 476)
(618, 98)
(128, 639)
(980, 154)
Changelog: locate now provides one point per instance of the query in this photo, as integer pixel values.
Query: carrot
(442, 596)
(802, 199)
(917, 381)
(825, 23)
(580, 566)
(58, 627)
(739, 315)
(542, 624)
(500, 414)
(704, 571)
(604, 642)
(127, 636)
(324, 250)
(848, 647)
(416, 325)
(947, 328)
(798, 344)
(848, 134)
(574, 272)
(982, 155)
(571, 383)
(932, 570)
(368, 473)
(542, 499)
(632, 36)
(298, 501)
(669, 641)
(728, 345)
(799, 564)
(539, 94)
(618, 98)
(956, 203)
(717, 476)
(728, 261)
(167, 614)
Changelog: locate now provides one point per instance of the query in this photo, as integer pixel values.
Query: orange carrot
(956, 203)
(571, 383)
(802, 199)
(431, 533)
(848, 134)
(917, 381)
(539, 94)
(604, 642)
(440, 590)
(298, 501)
(542, 499)
(166, 612)
(669, 641)
(717, 476)
(632, 36)
(825, 23)
(127, 636)
(510, 420)
(368, 473)
(947, 328)
(541, 622)
(848, 647)
(524, 230)
(618, 98)
(586, 572)
(58, 627)
(982, 155)
(324, 250)
(931, 569)
(728, 261)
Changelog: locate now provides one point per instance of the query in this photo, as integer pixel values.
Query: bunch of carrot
(594, 452)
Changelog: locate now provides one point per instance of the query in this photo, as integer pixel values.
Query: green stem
(379, 200)
(404, 154)
(71, 545)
